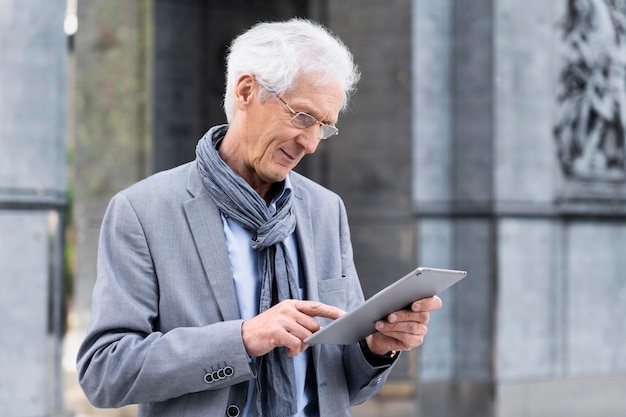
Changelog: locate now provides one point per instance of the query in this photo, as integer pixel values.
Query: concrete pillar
(33, 113)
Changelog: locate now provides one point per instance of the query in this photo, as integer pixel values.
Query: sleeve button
(232, 411)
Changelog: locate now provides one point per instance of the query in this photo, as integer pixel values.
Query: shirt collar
(281, 196)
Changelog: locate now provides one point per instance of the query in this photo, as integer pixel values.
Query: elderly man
(212, 274)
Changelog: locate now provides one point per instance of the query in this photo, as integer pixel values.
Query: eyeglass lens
(304, 120)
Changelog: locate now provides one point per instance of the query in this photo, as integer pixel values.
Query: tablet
(360, 322)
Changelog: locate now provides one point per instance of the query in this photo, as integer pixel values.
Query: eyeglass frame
(323, 125)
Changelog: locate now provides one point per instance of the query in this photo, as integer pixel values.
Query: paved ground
(76, 403)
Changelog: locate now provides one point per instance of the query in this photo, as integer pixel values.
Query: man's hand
(404, 329)
(287, 324)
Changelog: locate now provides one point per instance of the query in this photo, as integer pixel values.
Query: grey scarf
(275, 396)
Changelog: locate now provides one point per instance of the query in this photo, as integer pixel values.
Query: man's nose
(309, 138)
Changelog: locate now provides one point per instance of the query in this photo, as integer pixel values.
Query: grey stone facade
(536, 328)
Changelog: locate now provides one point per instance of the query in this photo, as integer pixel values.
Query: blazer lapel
(206, 227)
(306, 243)
(305, 236)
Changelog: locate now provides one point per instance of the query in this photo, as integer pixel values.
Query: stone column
(33, 130)
(452, 171)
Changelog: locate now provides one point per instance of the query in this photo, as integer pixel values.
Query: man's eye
(306, 120)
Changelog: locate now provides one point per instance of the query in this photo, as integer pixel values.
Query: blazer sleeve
(125, 358)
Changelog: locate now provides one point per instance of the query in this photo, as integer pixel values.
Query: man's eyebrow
(316, 115)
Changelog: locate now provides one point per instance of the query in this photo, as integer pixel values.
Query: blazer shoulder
(169, 182)
(163, 191)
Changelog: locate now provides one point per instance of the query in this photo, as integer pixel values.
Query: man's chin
(280, 174)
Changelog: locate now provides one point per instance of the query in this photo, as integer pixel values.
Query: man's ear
(245, 90)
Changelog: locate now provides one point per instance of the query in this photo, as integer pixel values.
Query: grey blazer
(165, 331)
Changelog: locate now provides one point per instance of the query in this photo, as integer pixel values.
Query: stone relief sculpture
(591, 125)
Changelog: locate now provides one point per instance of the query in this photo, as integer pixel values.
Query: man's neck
(228, 150)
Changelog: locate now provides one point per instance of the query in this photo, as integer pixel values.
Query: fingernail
(380, 325)
(392, 318)
(417, 306)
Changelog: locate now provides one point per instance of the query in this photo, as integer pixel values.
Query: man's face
(274, 146)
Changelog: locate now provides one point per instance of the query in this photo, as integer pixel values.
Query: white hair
(277, 53)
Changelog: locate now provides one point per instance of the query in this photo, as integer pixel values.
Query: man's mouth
(289, 156)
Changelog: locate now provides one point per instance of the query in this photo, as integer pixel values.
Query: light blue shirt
(244, 265)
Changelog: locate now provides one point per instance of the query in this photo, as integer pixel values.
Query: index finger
(317, 309)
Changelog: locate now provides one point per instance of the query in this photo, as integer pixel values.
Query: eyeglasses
(303, 120)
